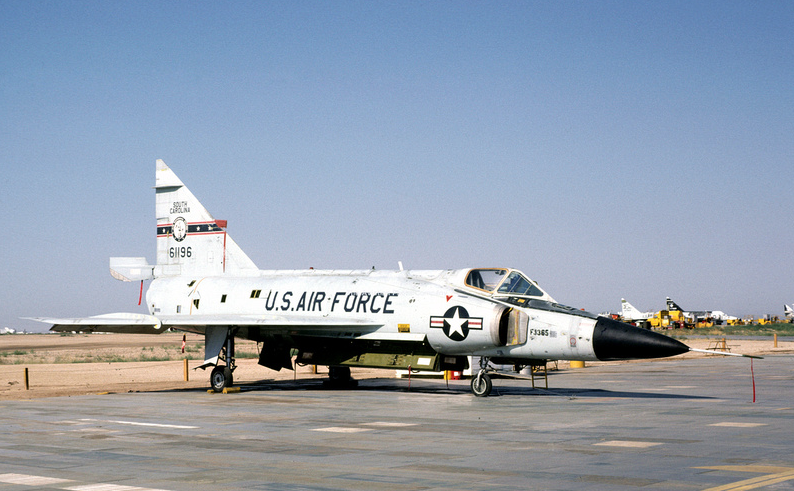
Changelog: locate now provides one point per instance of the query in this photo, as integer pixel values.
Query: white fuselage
(393, 305)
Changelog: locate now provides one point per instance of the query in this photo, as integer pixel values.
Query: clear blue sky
(607, 149)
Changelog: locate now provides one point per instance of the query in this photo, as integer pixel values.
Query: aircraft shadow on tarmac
(426, 386)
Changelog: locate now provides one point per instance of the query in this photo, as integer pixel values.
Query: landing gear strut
(221, 376)
(481, 383)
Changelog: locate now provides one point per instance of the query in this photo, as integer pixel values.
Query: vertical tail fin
(672, 306)
(189, 240)
(628, 310)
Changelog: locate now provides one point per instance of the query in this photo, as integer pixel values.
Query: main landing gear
(339, 378)
(221, 376)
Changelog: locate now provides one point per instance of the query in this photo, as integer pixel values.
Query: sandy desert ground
(66, 365)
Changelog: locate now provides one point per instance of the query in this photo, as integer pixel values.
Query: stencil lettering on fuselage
(350, 302)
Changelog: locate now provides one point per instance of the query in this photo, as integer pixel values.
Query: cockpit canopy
(501, 282)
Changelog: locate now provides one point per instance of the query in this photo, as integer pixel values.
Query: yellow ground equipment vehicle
(670, 319)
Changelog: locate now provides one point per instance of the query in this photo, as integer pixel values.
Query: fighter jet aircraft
(630, 313)
(203, 282)
(697, 315)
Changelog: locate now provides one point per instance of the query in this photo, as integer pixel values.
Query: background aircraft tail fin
(189, 240)
(628, 310)
(672, 305)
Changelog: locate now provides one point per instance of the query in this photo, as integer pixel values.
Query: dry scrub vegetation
(36, 349)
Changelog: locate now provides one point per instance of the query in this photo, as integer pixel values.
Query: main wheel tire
(483, 388)
(220, 378)
(339, 375)
(339, 378)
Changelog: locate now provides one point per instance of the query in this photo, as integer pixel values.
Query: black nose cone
(613, 340)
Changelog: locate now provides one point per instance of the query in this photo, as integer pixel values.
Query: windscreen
(518, 284)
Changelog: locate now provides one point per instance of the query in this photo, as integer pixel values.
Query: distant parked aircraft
(697, 315)
(631, 313)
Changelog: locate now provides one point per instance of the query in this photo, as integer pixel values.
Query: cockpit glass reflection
(518, 284)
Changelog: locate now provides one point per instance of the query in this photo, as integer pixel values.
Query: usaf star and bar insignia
(456, 323)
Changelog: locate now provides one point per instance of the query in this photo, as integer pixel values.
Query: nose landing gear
(481, 384)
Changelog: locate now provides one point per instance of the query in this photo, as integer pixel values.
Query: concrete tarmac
(688, 424)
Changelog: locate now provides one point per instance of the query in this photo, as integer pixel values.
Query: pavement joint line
(730, 424)
(628, 444)
(136, 423)
(388, 424)
(341, 429)
(109, 487)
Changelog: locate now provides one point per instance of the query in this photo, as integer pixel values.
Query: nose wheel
(481, 384)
